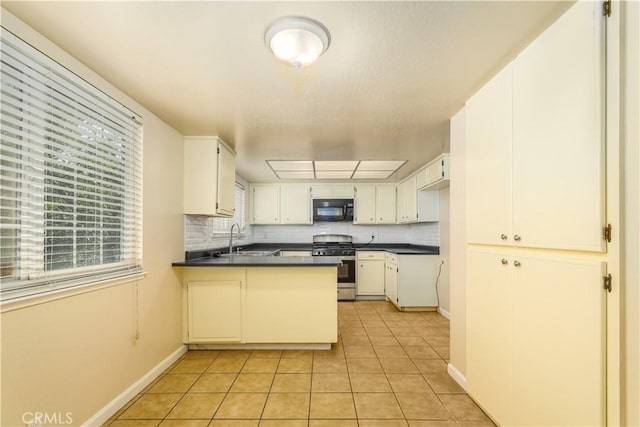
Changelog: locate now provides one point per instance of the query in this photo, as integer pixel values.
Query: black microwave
(333, 209)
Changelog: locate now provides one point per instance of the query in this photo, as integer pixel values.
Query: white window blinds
(71, 177)
(223, 225)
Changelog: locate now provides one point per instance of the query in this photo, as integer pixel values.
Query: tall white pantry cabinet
(536, 256)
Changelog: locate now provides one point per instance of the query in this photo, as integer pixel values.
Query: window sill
(22, 302)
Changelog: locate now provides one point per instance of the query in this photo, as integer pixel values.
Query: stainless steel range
(340, 245)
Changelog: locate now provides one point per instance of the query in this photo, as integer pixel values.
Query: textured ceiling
(394, 74)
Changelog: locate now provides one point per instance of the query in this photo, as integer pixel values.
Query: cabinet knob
(516, 237)
(504, 261)
(503, 236)
(516, 263)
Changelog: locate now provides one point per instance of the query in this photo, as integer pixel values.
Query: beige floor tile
(411, 341)
(379, 331)
(191, 366)
(364, 366)
(260, 366)
(355, 341)
(284, 423)
(443, 352)
(422, 406)
(377, 405)
(332, 406)
(252, 383)
(329, 366)
(432, 423)
(291, 383)
(333, 423)
(213, 383)
(431, 331)
(378, 340)
(398, 366)
(408, 383)
(266, 354)
(151, 406)
(334, 353)
(234, 423)
(359, 352)
(405, 331)
(430, 366)
(346, 332)
(226, 365)
(235, 354)
(136, 423)
(372, 322)
(442, 383)
(204, 354)
(485, 423)
(287, 406)
(462, 408)
(330, 383)
(295, 366)
(184, 423)
(390, 352)
(297, 354)
(438, 341)
(242, 406)
(421, 352)
(382, 423)
(197, 405)
(174, 383)
(369, 383)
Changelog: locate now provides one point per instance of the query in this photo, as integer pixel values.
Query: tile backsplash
(198, 234)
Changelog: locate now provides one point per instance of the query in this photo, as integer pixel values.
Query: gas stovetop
(333, 245)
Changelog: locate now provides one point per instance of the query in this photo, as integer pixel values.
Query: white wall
(78, 353)
(458, 243)
(630, 132)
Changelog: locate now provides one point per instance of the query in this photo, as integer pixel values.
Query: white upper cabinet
(364, 204)
(558, 134)
(489, 142)
(295, 204)
(386, 204)
(209, 177)
(435, 175)
(265, 204)
(335, 191)
(407, 203)
(535, 144)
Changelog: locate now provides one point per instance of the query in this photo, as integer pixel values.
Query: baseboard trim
(103, 415)
(457, 376)
(444, 312)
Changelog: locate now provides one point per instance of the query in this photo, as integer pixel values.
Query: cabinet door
(385, 204)
(401, 213)
(411, 199)
(295, 202)
(370, 277)
(215, 311)
(489, 135)
(391, 282)
(343, 192)
(489, 332)
(226, 181)
(321, 192)
(265, 204)
(559, 343)
(364, 204)
(558, 134)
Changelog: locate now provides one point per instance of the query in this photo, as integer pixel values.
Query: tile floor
(389, 368)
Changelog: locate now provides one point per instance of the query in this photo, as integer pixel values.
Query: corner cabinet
(435, 175)
(411, 281)
(209, 177)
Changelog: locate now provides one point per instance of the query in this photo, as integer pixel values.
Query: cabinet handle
(516, 263)
(516, 237)
(504, 261)
(503, 236)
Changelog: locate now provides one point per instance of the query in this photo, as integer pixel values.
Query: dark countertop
(206, 257)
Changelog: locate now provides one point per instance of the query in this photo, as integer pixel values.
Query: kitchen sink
(253, 253)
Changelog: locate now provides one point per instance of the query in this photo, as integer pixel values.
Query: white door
(265, 204)
(364, 204)
(488, 116)
(558, 134)
(559, 343)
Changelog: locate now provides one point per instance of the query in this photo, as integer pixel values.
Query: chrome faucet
(231, 237)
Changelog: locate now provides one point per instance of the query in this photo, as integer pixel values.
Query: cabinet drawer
(371, 255)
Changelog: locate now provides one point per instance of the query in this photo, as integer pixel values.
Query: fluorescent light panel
(338, 169)
(338, 165)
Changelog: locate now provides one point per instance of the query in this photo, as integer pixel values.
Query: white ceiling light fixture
(296, 40)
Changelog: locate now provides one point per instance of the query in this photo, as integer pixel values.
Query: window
(223, 225)
(71, 177)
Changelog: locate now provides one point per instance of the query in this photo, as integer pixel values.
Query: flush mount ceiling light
(296, 40)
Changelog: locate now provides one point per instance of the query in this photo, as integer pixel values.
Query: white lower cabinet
(536, 336)
(370, 273)
(410, 280)
(214, 307)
